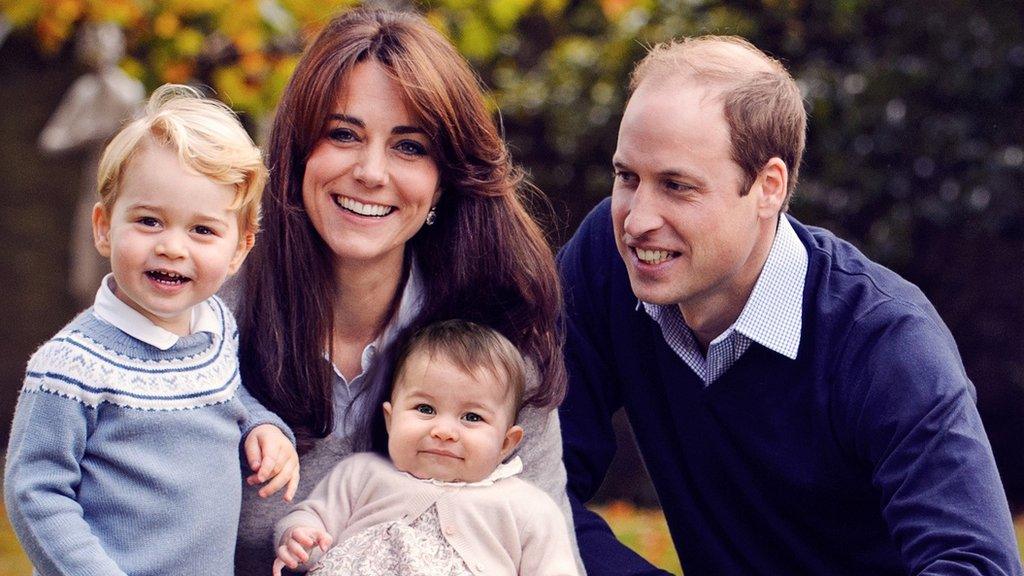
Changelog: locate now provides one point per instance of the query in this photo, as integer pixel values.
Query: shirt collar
(504, 470)
(773, 314)
(112, 310)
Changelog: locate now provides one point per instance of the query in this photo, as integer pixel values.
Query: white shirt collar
(773, 315)
(112, 310)
(504, 470)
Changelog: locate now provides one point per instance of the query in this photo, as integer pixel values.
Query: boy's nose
(171, 246)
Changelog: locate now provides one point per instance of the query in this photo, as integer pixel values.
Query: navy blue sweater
(865, 455)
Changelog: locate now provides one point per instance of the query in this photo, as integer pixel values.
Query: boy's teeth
(652, 256)
(362, 209)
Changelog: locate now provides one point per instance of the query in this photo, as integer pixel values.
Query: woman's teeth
(362, 209)
(652, 256)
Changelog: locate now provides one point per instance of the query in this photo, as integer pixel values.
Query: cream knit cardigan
(507, 528)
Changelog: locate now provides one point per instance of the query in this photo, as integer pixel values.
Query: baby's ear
(101, 229)
(512, 439)
(387, 416)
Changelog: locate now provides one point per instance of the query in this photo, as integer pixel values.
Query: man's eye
(424, 408)
(473, 417)
(625, 177)
(677, 186)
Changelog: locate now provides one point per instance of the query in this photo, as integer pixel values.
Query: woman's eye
(411, 148)
(424, 408)
(341, 135)
(473, 417)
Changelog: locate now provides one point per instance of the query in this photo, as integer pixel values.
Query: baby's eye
(473, 417)
(204, 231)
(148, 221)
(424, 408)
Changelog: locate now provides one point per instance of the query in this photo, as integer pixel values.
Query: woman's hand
(295, 546)
(273, 460)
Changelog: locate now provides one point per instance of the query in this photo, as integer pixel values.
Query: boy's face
(171, 237)
(446, 424)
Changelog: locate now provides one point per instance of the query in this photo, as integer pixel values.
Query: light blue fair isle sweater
(124, 458)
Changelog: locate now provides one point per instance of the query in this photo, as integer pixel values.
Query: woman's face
(371, 179)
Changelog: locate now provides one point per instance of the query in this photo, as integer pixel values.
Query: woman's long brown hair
(485, 260)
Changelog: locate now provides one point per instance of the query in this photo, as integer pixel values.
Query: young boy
(124, 452)
(445, 503)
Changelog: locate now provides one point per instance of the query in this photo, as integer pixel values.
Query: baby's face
(447, 424)
(171, 236)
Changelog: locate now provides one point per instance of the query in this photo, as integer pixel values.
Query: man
(800, 409)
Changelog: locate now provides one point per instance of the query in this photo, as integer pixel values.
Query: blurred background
(915, 150)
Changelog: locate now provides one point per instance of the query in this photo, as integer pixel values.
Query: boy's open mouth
(167, 277)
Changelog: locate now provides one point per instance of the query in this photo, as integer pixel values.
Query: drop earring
(431, 217)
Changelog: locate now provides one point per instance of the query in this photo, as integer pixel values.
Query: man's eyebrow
(357, 122)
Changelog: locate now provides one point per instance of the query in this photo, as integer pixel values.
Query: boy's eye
(148, 221)
(473, 417)
(204, 230)
(424, 408)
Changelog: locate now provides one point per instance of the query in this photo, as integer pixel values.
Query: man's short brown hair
(762, 102)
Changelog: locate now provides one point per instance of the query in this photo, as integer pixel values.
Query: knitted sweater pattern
(124, 458)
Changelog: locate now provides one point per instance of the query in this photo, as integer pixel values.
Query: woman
(392, 204)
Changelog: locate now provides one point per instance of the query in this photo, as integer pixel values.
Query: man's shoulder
(851, 294)
(844, 280)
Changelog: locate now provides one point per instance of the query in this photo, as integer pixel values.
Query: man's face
(686, 234)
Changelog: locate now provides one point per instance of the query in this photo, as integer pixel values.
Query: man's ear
(512, 439)
(245, 244)
(387, 417)
(772, 182)
(101, 229)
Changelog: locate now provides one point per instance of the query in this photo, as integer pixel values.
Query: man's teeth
(652, 256)
(362, 209)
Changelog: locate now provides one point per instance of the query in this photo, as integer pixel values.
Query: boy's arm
(257, 414)
(47, 442)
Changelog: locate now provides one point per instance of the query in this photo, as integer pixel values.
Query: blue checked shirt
(771, 316)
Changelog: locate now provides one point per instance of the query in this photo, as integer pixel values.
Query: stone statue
(94, 108)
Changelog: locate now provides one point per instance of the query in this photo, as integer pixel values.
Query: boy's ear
(245, 244)
(101, 229)
(512, 439)
(387, 417)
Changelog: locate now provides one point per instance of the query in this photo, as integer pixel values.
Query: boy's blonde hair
(208, 139)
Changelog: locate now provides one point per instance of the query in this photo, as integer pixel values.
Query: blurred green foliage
(916, 137)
